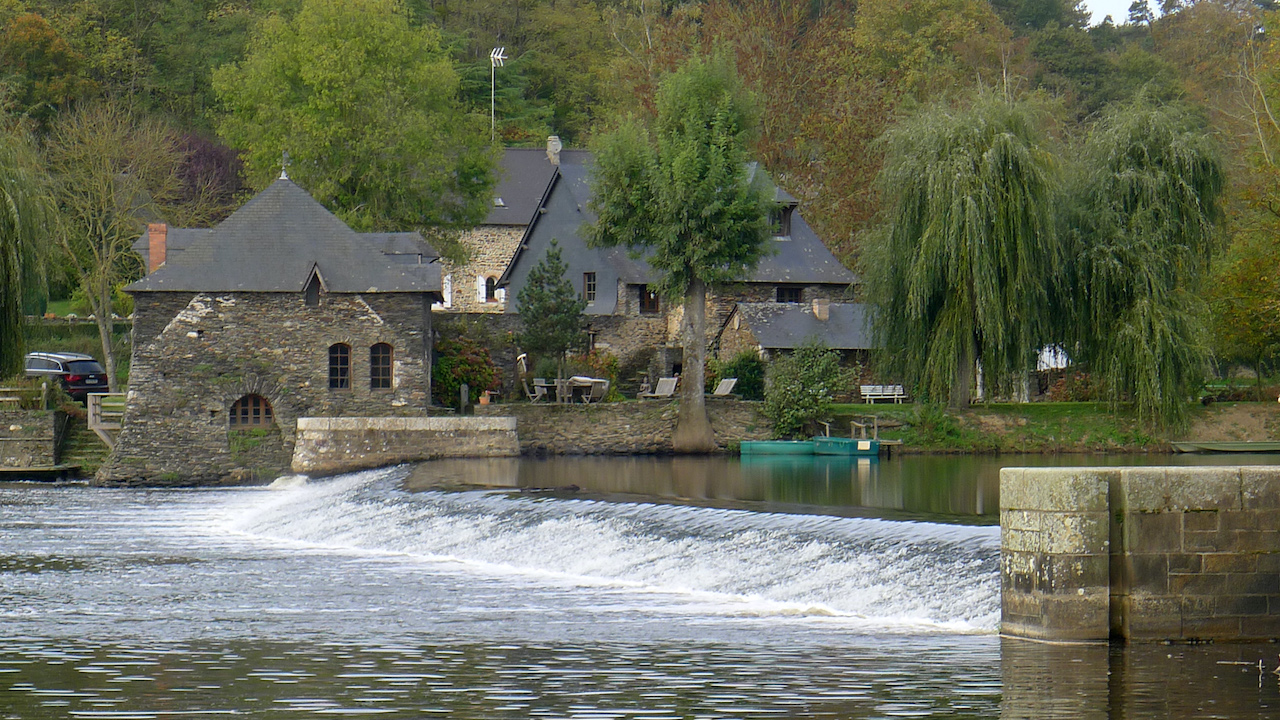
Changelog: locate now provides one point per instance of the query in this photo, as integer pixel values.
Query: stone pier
(1140, 554)
(328, 446)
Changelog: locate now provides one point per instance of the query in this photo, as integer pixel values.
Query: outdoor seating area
(666, 388)
(872, 393)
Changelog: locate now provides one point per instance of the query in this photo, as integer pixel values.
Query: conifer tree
(550, 310)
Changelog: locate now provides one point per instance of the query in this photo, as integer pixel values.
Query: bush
(800, 388)
(747, 367)
(462, 360)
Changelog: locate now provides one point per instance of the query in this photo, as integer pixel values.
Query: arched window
(251, 411)
(339, 366)
(491, 289)
(380, 367)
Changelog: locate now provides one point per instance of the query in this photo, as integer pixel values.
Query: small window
(790, 294)
(251, 411)
(339, 367)
(491, 289)
(313, 291)
(648, 301)
(380, 367)
(780, 221)
(589, 287)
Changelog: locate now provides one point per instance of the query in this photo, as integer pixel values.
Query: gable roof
(275, 240)
(800, 258)
(523, 177)
(786, 326)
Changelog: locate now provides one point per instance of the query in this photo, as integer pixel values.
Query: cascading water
(894, 576)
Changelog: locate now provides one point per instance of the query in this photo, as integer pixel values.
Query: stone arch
(260, 452)
(251, 410)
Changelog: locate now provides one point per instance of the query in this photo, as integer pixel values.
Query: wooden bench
(872, 393)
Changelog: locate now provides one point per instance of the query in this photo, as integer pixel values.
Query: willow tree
(1146, 206)
(963, 268)
(24, 213)
(680, 192)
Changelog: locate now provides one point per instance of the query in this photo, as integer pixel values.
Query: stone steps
(81, 446)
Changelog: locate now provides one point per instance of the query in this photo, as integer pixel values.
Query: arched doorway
(254, 438)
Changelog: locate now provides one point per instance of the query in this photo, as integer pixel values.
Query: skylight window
(499, 202)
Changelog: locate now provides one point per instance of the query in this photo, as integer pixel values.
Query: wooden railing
(106, 416)
(13, 398)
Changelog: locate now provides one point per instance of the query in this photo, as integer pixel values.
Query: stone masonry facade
(1141, 554)
(195, 354)
(491, 247)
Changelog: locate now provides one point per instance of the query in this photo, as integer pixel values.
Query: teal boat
(776, 447)
(849, 447)
(843, 447)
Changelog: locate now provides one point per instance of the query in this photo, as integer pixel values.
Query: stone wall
(212, 349)
(1144, 554)
(623, 428)
(491, 248)
(28, 438)
(327, 446)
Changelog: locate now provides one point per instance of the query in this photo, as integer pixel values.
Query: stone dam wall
(328, 446)
(29, 438)
(1140, 554)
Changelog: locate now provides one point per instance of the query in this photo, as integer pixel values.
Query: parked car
(78, 374)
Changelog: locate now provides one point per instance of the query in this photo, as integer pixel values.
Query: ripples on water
(353, 596)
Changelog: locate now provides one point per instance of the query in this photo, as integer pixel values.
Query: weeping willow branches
(24, 215)
(964, 268)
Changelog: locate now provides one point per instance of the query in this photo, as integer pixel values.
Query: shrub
(747, 367)
(462, 360)
(801, 387)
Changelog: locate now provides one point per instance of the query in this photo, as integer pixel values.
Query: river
(560, 588)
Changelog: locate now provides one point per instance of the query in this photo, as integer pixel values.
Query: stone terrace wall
(1177, 553)
(623, 428)
(28, 438)
(327, 446)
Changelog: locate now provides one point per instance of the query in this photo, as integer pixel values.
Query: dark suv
(78, 374)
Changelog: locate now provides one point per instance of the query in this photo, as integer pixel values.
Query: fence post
(44, 395)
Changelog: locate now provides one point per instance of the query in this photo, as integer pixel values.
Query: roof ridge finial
(284, 166)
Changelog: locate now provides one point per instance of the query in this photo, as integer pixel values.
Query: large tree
(1145, 211)
(366, 105)
(681, 193)
(963, 269)
(113, 171)
(24, 215)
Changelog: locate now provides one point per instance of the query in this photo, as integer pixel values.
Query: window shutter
(447, 288)
(479, 288)
(501, 294)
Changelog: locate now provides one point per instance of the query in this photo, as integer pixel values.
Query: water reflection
(1043, 680)
(946, 488)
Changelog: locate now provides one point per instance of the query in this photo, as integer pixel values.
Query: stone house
(279, 312)
(770, 328)
(625, 316)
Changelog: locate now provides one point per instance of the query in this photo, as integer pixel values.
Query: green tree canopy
(550, 310)
(24, 217)
(681, 192)
(365, 103)
(1145, 211)
(963, 269)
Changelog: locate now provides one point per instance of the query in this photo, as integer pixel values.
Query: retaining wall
(28, 438)
(327, 446)
(623, 428)
(1143, 554)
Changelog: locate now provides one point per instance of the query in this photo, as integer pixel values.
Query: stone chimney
(553, 149)
(821, 309)
(158, 234)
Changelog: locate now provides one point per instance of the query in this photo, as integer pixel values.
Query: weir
(1140, 554)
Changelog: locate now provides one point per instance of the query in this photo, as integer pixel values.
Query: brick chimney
(158, 235)
(821, 309)
(553, 149)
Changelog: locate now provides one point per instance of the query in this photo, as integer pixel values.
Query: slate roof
(273, 242)
(523, 176)
(801, 258)
(786, 326)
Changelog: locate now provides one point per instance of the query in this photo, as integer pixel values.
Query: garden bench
(872, 393)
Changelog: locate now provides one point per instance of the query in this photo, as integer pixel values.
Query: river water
(588, 588)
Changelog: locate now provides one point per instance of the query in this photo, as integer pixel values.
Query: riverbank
(1055, 427)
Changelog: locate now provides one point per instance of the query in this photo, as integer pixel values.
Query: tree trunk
(693, 429)
(960, 390)
(100, 303)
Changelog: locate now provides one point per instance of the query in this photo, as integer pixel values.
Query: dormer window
(499, 202)
(780, 221)
(312, 293)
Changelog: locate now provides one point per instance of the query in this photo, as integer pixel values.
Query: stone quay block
(330, 445)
